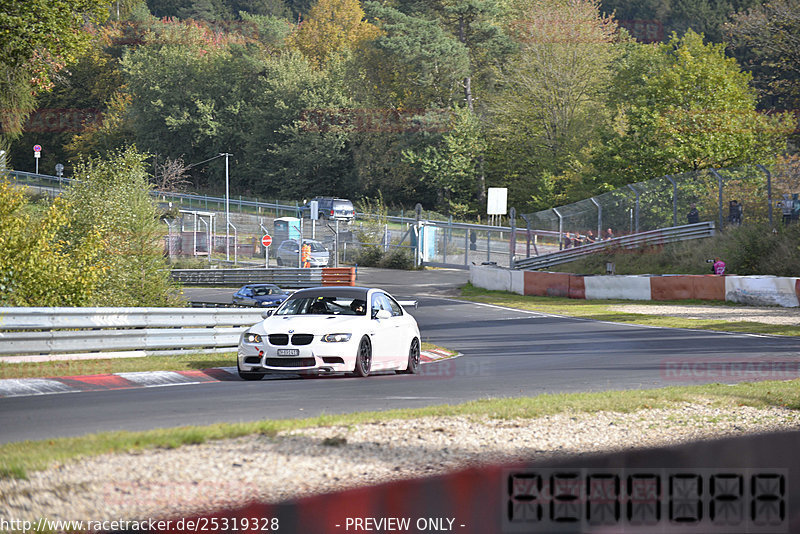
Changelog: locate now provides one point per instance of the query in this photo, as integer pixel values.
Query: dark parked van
(335, 208)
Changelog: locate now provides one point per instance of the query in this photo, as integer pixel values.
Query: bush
(746, 250)
(370, 256)
(398, 259)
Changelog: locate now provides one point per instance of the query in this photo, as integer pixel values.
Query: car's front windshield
(315, 247)
(323, 305)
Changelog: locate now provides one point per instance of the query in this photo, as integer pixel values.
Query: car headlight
(251, 337)
(336, 338)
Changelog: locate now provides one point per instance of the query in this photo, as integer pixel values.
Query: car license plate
(288, 352)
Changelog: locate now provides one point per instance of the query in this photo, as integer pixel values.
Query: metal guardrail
(651, 238)
(286, 278)
(33, 331)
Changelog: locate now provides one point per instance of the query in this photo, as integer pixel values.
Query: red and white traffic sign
(266, 240)
(37, 149)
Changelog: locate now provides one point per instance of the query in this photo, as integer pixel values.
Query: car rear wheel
(363, 358)
(248, 375)
(413, 359)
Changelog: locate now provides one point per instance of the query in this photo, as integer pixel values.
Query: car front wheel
(248, 375)
(363, 358)
(413, 359)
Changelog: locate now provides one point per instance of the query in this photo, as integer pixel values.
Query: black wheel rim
(414, 354)
(365, 356)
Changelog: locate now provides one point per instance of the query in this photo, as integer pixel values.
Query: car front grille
(302, 339)
(279, 339)
(290, 362)
(297, 339)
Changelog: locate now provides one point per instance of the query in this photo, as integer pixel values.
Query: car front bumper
(316, 357)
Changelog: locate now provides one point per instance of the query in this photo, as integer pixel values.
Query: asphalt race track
(506, 353)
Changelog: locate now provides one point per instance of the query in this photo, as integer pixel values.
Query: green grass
(20, 458)
(600, 310)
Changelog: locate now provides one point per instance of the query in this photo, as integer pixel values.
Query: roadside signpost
(266, 241)
(37, 153)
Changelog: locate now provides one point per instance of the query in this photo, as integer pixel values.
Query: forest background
(405, 100)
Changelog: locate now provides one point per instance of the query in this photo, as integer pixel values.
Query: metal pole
(227, 209)
(599, 217)
(769, 192)
(512, 219)
(719, 181)
(560, 229)
(637, 206)
(674, 201)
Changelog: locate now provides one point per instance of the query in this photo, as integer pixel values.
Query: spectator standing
(590, 238)
(693, 216)
(786, 206)
(735, 213)
(609, 234)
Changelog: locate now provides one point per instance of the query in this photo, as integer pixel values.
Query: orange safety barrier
(338, 276)
(546, 284)
(577, 288)
(684, 287)
(671, 288)
(708, 287)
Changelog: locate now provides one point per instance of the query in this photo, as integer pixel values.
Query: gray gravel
(754, 314)
(193, 479)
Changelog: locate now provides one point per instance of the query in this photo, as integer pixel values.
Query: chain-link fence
(733, 196)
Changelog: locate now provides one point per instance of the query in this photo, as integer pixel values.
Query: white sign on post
(313, 207)
(497, 201)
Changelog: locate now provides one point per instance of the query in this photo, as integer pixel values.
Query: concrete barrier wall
(617, 287)
(493, 278)
(762, 290)
(752, 290)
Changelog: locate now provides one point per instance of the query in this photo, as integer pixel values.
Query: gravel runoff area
(754, 314)
(174, 483)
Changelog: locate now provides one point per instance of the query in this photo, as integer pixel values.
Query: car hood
(311, 324)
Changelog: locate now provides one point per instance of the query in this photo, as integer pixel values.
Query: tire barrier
(740, 484)
(750, 290)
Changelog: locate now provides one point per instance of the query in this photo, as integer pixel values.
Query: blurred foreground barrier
(751, 290)
(735, 485)
(283, 277)
(99, 332)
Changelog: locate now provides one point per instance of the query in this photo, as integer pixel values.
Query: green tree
(767, 36)
(414, 63)
(451, 165)
(41, 263)
(111, 198)
(685, 106)
(39, 38)
(331, 27)
(551, 107)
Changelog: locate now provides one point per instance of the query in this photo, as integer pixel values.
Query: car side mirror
(266, 313)
(382, 314)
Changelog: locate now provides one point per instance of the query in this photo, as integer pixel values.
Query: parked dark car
(288, 254)
(260, 296)
(334, 208)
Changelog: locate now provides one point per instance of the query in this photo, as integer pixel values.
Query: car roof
(334, 291)
(261, 285)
